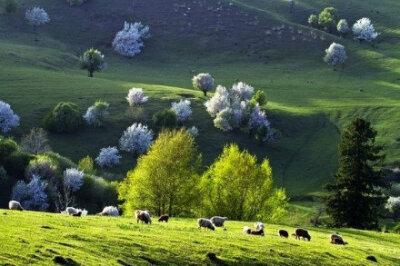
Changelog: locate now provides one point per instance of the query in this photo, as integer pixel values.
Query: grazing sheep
(15, 205)
(337, 239)
(75, 212)
(109, 211)
(259, 230)
(302, 233)
(259, 226)
(79, 214)
(283, 233)
(247, 230)
(202, 222)
(218, 221)
(143, 216)
(163, 218)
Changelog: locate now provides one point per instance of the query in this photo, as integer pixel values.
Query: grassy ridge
(95, 240)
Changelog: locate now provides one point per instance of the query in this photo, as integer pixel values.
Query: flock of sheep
(216, 221)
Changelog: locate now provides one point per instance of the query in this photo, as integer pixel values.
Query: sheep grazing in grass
(109, 211)
(302, 233)
(75, 212)
(143, 216)
(258, 232)
(259, 226)
(283, 233)
(202, 222)
(218, 221)
(337, 239)
(15, 205)
(163, 218)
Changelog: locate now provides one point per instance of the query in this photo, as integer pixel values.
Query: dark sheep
(302, 233)
(202, 222)
(337, 239)
(218, 221)
(143, 217)
(78, 214)
(258, 232)
(283, 233)
(163, 218)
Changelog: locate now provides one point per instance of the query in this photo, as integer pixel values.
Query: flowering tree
(258, 119)
(136, 97)
(364, 30)
(108, 157)
(43, 167)
(72, 182)
(36, 141)
(37, 16)
(224, 119)
(242, 91)
(203, 82)
(96, 113)
(136, 139)
(8, 119)
(193, 131)
(92, 60)
(335, 55)
(218, 102)
(32, 196)
(393, 206)
(129, 41)
(343, 27)
(182, 110)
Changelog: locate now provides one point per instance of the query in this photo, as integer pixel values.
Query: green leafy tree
(10, 6)
(356, 197)
(166, 179)
(313, 20)
(237, 187)
(259, 97)
(328, 18)
(64, 118)
(86, 164)
(165, 118)
(92, 60)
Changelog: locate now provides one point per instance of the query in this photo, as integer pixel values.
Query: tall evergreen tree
(357, 195)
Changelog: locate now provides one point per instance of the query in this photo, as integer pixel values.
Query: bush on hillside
(136, 97)
(86, 164)
(7, 147)
(64, 118)
(182, 110)
(32, 195)
(203, 82)
(16, 163)
(364, 30)
(92, 60)
(327, 19)
(10, 6)
(8, 119)
(343, 27)
(76, 2)
(136, 139)
(37, 16)
(313, 20)
(335, 55)
(96, 113)
(193, 131)
(165, 118)
(129, 41)
(393, 206)
(41, 166)
(259, 97)
(36, 141)
(108, 157)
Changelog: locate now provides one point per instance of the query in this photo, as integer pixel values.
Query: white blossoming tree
(218, 102)
(136, 97)
(224, 119)
(8, 119)
(343, 27)
(393, 206)
(136, 139)
(258, 119)
(72, 182)
(194, 131)
(108, 157)
(182, 110)
(203, 82)
(37, 16)
(96, 113)
(242, 91)
(32, 195)
(129, 41)
(335, 55)
(364, 30)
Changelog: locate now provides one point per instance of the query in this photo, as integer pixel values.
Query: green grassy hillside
(233, 40)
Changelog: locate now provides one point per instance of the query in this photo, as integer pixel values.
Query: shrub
(129, 41)
(7, 147)
(92, 60)
(37, 16)
(242, 91)
(41, 166)
(96, 113)
(136, 139)
(203, 82)
(313, 20)
(3, 175)
(76, 2)
(108, 157)
(258, 119)
(193, 131)
(165, 118)
(36, 141)
(136, 97)
(8, 119)
(259, 98)
(73, 179)
(64, 118)
(182, 110)
(86, 164)
(343, 27)
(16, 163)
(32, 196)
(335, 55)
(393, 206)
(224, 119)
(328, 18)
(364, 30)
(10, 6)
(218, 102)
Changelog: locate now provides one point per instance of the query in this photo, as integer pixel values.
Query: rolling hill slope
(256, 41)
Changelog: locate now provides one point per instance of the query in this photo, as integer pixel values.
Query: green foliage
(16, 163)
(86, 164)
(259, 97)
(92, 60)
(313, 20)
(396, 229)
(7, 146)
(237, 187)
(10, 6)
(64, 118)
(357, 196)
(165, 179)
(76, 2)
(61, 161)
(328, 18)
(165, 118)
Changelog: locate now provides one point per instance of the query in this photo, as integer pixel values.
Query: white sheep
(110, 211)
(259, 226)
(202, 222)
(218, 221)
(143, 216)
(15, 205)
(75, 212)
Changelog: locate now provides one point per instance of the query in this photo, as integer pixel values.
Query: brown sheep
(302, 233)
(283, 233)
(337, 239)
(143, 217)
(163, 218)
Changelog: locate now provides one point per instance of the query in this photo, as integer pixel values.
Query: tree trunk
(205, 93)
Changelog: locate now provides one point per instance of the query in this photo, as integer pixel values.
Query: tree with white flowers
(136, 97)
(343, 27)
(108, 157)
(72, 182)
(203, 82)
(8, 119)
(242, 91)
(364, 30)
(193, 131)
(182, 110)
(258, 119)
(393, 206)
(224, 119)
(129, 41)
(335, 55)
(218, 102)
(32, 195)
(37, 16)
(136, 139)
(96, 113)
